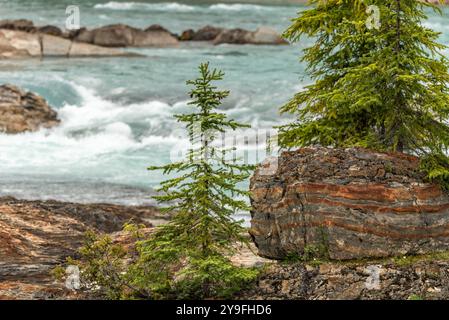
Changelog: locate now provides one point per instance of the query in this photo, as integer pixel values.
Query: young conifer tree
(204, 195)
(383, 87)
(189, 257)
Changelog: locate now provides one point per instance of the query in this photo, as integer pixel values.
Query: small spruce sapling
(190, 253)
(205, 195)
(189, 257)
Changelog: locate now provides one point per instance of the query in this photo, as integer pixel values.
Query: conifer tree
(189, 257)
(196, 244)
(204, 195)
(383, 88)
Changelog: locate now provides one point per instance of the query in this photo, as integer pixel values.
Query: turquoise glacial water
(117, 112)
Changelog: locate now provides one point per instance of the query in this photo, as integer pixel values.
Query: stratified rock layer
(346, 204)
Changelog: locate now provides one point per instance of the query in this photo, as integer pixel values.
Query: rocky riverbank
(36, 236)
(402, 278)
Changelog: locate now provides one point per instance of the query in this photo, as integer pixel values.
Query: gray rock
(154, 38)
(233, 36)
(82, 35)
(120, 35)
(263, 35)
(117, 35)
(207, 33)
(187, 35)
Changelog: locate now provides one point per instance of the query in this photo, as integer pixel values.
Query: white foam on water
(170, 6)
(95, 128)
(175, 6)
(237, 7)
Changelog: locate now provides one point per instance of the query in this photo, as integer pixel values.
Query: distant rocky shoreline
(22, 39)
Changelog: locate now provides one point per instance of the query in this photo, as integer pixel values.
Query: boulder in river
(207, 33)
(156, 27)
(187, 35)
(117, 35)
(347, 204)
(266, 35)
(120, 35)
(262, 36)
(22, 111)
(233, 36)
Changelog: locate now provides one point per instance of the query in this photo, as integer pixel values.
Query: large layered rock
(346, 204)
(22, 111)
